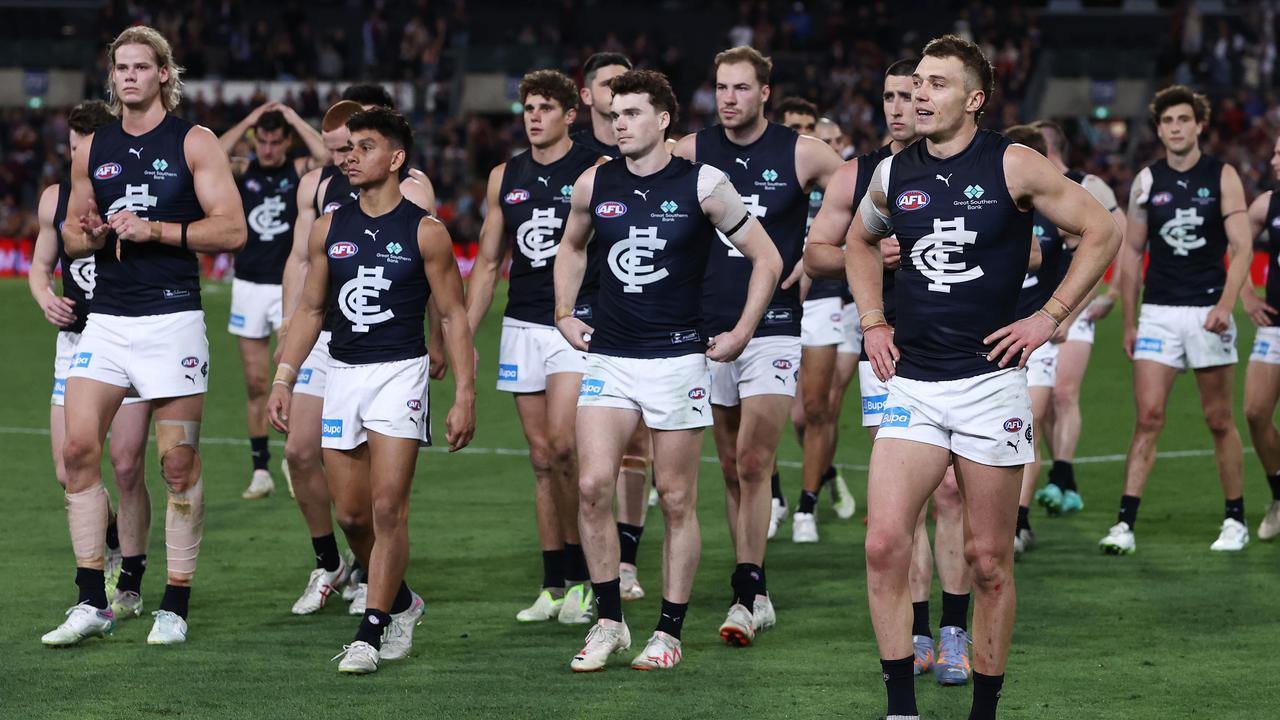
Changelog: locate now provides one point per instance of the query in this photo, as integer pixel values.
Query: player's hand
(1099, 308)
(726, 347)
(58, 310)
(130, 227)
(1019, 340)
(278, 407)
(1130, 340)
(93, 226)
(877, 343)
(460, 424)
(1218, 320)
(437, 363)
(797, 273)
(576, 332)
(1060, 335)
(891, 253)
(1259, 311)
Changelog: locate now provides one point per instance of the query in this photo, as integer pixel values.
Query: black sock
(1063, 474)
(1129, 510)
(404, 599)
(629, 541)
(747, 582)
(775, 487)
(131, 569)
(764, 582)
(1024, 521)
(1235, 509)
(829, 474)
(113, 535)
(608, 600)
(920, 619)
(899, 681)
(575, 565)
(955, 610)
(808, 502)
(175, 600)
(92, 587)
(986, 694)
(375, 622)
(1274, 482)
(261, 455)
(553, 570)
(326, 549)
(672, 618)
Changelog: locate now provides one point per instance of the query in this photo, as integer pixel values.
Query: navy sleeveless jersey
(1185, 234)
(654, 241)
(377, 286)
(822, 288)
(965, 246)
(1038, 286)
(78, 275)
(147, 175)
(337, 193)
(586, 137)
(866, 168)
(535, 206)
(764, 173)
(1273, 238)
(270, 199)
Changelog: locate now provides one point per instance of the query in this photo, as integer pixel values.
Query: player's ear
(585, 94)
(664, 121)
(398, 159)
(765, 91)
(571, 115)
(976, 101)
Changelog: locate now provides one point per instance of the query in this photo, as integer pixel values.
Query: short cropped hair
(369, 94)
(1179, 95)
(272, 121)
(386, 122)
(1027, 135)
(797, 106)
(902, 68)
(550, 84)
(1055, 138)
(652, 83)
(977, 67)
(747, 54)
(88, 116)
(600, 60)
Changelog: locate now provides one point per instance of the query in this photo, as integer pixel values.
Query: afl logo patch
(1013, 425)
(331, 207)
(697, 393)
(415, 404)
(782, 364)
(1161, 198)
(107, 171)
(517, 196)
(611, 209)
(912, 200)
(343, 250)
(190, 361)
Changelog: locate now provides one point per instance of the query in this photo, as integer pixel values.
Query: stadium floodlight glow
(1101, 112)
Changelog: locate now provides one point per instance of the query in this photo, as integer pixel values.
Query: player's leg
(817, 371)
(348, 472)
(1216, 385)
(952, 666)
(178, 447)
(633, 492)
(920, 578)
(561, 412)
(255, 360)
(846, 368)
(531, 407)
(1041, 397)
(302, 455)
(1073, 361)
(990, 496)
(1152, 382)
(1261, 391)
(725, 430)
(130, 430)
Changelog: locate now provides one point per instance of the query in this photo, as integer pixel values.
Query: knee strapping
(173, 434)
(87, 513)
(184, 516)
(635, 464)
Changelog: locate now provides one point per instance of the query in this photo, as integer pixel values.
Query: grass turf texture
(1172, 632)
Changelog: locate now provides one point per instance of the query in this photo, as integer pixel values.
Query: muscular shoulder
(199, 142)
(687, 147)
(844, 182)
(48, 206)
(815, 160)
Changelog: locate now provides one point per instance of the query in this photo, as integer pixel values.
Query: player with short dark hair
(799, 115)
(597, 72)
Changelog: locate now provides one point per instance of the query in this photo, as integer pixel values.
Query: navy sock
(775, 487)
(747, 581)
(326, 549)
(672, 618)
(404, 599)
(629, 541)
(808, 502)
(1129, 510)
(575, 566)
(899, 681)
(553, 570)
(986, 695)
(608, 600)
(176, 599)
(1235, 509)
(1024, 518)
(1063, 475)
(261, 455)
(955, 610)
(92, 587)
(920, 619)
(1274, 482)
(131, 569)
(375, 622)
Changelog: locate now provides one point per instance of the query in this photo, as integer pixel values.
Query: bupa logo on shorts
(912, 200)
(106, 171)
(591, 388)
(1261, 347)
(342, 250)
(782, 364)
(82, 360)
(59, 388)
(872, 404)
(237, 320)
(1147, 344)
(190, 361)
(1161, 198)
(895, 417)
(509, 373)
(414, 404)
(517, 196)
(331, 428)
(697, 393)
(304, 376)
(1013, 425)
(611, 209)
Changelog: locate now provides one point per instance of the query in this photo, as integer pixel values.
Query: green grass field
(1171, 632)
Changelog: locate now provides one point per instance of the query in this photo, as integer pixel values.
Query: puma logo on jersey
(1183, 184)
(946, 179)
(544, 180)
(743, 162)
(373, 233)
(136, 152)
(643, 194)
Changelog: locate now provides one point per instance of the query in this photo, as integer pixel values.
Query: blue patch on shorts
(895, 417)
(330, 428)
(82, 360)
(1261, 347)
(591, 388)
(508, 373)
(1147, 344)
(872, 404)
(237, 320)
(59, 387)
(304, 376)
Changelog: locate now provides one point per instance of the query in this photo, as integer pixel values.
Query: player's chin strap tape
(184, 517)
(738, 226)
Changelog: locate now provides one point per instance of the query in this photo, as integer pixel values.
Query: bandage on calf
(87, 513)
(184, 516)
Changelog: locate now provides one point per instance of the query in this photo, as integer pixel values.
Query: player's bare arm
(87, 232)
(1129, 264)
(419, 190)
(489, 254)
(317, 153)
(446, 287)
(295, 266)
(571, 261)
(1239, 250)
(1259, 311)
(723, 206)
(308, 319)
(823, 253)
(228, 140)
(863, 267)
(57, 310)
(686, 147)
